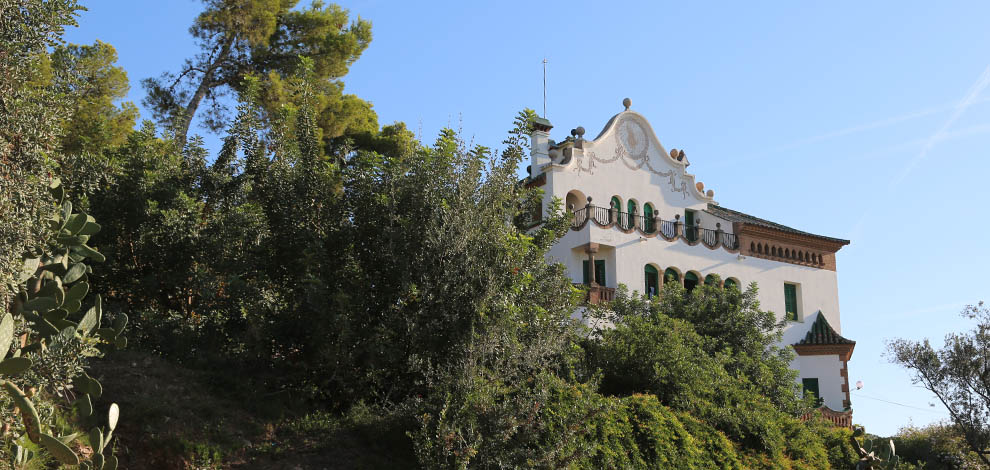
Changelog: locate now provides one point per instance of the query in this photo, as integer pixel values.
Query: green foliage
(937, 446)
(876, 454)
(52, 346)
(88, 76)
(956, 374)
(29, 118)
(44, 272)
(710, 352)
(265, 39)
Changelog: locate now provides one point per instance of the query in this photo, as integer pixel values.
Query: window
(730, 282)
(599, 272)
(690, 231)
(790, 302)
(616, 204)
(671, 275)
(810, 386)
(690, 280)
(575, 201)
(652, 281)
(711, 280)
(649, 222)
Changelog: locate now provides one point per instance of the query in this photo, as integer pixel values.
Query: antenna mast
(544, 88)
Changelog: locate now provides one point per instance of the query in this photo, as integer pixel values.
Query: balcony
(597, 294)
(842, 419)
(669, 230)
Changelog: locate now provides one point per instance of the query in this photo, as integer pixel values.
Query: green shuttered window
(599, 272)
(790, 302)
(810, 386)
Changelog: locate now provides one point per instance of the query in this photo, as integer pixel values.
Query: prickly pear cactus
(874, 456)
(46, 335)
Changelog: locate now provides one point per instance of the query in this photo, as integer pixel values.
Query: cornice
(844, 351)
(810, 241)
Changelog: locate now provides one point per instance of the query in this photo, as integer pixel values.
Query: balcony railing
(669, 230)
(841, 419)
(597, 293)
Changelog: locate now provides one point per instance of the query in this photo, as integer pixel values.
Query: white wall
(627, 254)
(826, 368)
(627, 160)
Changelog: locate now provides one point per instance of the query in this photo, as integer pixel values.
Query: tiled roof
(736, 216)
(822, 333)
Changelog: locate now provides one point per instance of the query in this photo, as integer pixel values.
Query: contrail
(941, 134)
(865, 127)
(860, 128)
(961, 107)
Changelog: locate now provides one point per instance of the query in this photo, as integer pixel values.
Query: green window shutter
(790, 302)
(730, 283)
(616, 203)
(671, 275)
(585, 274)
(690, 280)
(648, 221)
(600, 272)
(710, 280)
(810, 386)
(690, 232)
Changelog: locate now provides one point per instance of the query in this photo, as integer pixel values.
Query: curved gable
(627, 145)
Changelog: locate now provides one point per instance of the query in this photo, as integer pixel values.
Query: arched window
(615, 203)
(711, 280)
(649, 222)
(652, 280)
(690, 280)
(575, 201)
(671, 275)
(731, 283)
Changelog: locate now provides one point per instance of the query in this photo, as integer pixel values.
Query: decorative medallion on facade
(633, 139)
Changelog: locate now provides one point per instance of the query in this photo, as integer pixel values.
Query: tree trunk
(185, 118)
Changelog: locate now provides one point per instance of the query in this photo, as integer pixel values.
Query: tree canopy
(958, 374)
(265, 38)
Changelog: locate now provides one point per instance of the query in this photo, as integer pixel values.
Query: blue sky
(867, 121)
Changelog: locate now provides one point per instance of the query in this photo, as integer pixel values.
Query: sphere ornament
(627, 103)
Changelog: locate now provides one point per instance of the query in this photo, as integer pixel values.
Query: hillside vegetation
(328, 293)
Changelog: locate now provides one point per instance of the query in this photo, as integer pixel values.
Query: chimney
(539, 142)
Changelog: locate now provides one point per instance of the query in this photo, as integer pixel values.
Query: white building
(640, 218)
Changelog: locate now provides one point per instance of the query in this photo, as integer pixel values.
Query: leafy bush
(937, 446)
(710, 352)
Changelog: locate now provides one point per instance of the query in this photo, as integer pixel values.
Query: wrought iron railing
(669, 229)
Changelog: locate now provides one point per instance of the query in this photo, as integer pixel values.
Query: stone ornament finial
(580, 132)
(627, 103)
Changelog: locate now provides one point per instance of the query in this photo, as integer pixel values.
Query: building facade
(640, 219)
